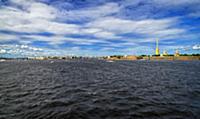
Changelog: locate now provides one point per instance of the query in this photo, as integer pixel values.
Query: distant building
(177, 53)
(36, 58)
(130, 57)
(126, 57)
(157, 48)
(165, 53)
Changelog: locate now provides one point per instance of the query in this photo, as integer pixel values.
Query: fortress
(156, 56)
(166, 56)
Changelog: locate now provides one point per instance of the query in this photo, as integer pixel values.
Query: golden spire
(157, 48)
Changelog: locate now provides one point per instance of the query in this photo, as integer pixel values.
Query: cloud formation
(98, 26)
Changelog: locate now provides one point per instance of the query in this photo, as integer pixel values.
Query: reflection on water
(91, 89)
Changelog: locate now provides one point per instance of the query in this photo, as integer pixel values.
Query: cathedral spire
(157, 48)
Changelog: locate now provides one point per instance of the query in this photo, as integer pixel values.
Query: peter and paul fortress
(156, 56)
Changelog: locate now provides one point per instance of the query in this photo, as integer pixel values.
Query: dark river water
(97, 89)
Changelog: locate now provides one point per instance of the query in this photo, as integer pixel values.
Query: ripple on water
(97, 89)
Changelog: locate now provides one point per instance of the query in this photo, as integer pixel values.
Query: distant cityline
(111, 57)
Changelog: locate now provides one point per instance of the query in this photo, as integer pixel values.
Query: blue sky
(98, 27)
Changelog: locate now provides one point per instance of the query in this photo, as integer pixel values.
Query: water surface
(97, 89)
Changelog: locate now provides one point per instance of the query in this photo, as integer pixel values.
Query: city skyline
(98, 27)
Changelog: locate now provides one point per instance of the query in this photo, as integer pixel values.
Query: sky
(98, 27)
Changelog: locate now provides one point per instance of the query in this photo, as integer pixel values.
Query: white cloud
(168, 32)
(39, 17)
(22, 2)
(6, 37)
(98, 33)
(106, 35)
(20, 50)
(29, 51)
(195, 14)
(91, 13)
(29, 48)
(23, 46)
(2, 51)
(196, 47)
(176, 2)
(42, 11)
(60, 39)
(90, 30)
(125, 44)
(150, 27)
(137, 50)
